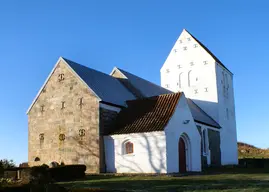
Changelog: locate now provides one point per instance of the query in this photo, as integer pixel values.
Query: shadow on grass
(173, 184)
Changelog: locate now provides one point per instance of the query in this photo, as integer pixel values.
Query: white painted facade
(157, 152)
(191, 69)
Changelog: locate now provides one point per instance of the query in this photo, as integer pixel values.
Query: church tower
(192, 68)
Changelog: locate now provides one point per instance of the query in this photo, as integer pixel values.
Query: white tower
(192, 68)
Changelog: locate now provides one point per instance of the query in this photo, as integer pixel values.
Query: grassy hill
(249, 151)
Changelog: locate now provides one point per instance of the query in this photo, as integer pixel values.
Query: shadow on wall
(149, 155)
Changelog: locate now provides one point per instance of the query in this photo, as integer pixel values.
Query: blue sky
(136, 36)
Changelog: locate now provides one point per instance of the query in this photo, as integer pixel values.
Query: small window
(175, 50)
(60, 77)
(129, 147)
(205, 62)
(227, 113)
(179, 66)
(167, 70)
(180, 41)
(195, 45)
(196, 91)
(204, 141)
(185, 48)
(42, 109)
(206, 89)
(189, 39)
(191, 63)
(167, 85)
(80, 102)
(37, 159)
(63, 105)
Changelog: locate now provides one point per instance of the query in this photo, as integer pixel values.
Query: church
(122, 123)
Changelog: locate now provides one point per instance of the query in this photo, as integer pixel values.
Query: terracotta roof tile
(145, 115)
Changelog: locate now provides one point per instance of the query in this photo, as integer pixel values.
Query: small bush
(67, 172)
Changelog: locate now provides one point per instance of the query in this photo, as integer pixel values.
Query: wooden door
(182, 156)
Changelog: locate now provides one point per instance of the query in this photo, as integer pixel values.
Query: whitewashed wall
(208, 76)
(174, 129)
(149, 153)
(227, 117)
(203, 89)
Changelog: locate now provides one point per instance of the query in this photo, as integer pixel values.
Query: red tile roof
(145, 115)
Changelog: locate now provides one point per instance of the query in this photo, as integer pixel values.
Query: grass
(213, 182)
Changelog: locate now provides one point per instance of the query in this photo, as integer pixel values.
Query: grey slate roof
(147, 88)
(106, 87)
(200, 116)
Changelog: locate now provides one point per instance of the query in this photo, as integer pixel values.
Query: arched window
(128, 147)
(180, 78)
(37, 159)
(189, 78)
(204, 141)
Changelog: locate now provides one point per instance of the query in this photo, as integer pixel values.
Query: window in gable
(185, 48)
(42, 109)
(191, 63)
(80, 102)
(167, 70)
(179, 66)
(189, 39)
(195, 91)
(167, 85)
(180, 41)
(206, 89)
(195, 45)
(205, 62)
(175, 50)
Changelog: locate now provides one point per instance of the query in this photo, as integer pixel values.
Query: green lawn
(225, 182)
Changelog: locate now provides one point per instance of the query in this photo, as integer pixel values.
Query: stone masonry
(64, 123)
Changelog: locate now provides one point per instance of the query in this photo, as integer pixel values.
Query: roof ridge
(161, 95)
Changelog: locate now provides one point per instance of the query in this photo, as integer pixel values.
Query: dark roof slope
(146, 88)
(151, 89)
(145, 115)
(209, 52)
(106, 87)
(200, 116)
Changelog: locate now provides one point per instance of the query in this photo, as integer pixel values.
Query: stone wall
(64, 122)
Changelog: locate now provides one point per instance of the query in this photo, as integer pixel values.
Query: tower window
(195, 45)
(167, 85)
(180, 41)
(180, 80)
(192, 63)
(189, 39)
(179, 66)
(167, 70)
(175, 50)
(80, 102)
(204, 141)
(62, 137)
(81, 132)
(196, 91)
(206, 89)
(205, 62)
(41, 136)
(185, 48)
